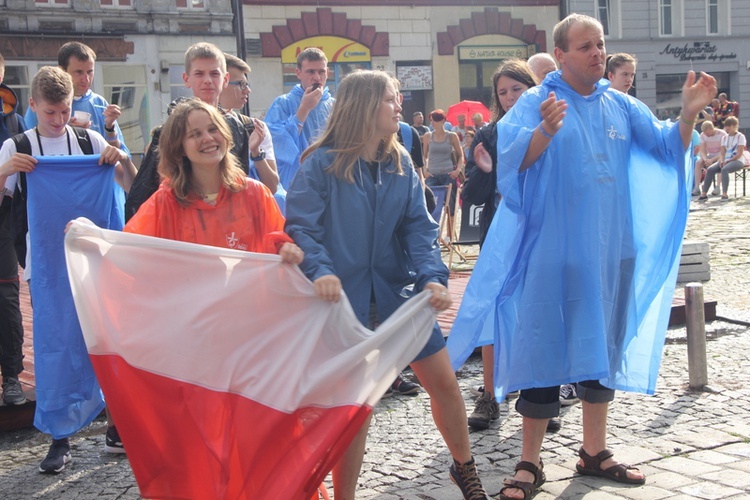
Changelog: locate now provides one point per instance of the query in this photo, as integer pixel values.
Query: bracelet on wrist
(111, 129)
(544, 132)
(691, 123)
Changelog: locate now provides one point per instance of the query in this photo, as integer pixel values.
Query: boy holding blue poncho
(61, 189)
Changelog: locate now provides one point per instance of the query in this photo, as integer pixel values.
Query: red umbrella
(467, 108)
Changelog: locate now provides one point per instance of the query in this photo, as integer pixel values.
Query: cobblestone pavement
(690, 444)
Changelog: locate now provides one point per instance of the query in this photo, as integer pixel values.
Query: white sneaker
(716, 191)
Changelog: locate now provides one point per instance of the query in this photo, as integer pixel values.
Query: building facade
(140, 47)
(443, 51)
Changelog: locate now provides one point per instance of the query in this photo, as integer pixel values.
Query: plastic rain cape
(60, 189)
(576, 278)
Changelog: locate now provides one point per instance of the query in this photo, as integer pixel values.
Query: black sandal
(592, 466)
(528, 489)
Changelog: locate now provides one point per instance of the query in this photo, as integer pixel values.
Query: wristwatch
(261, 156)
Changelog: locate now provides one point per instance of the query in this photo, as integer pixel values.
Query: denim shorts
(434, 343)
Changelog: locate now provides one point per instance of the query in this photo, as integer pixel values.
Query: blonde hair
(353, 122)
(176, 167)
(204, 50)
(706, 125)
(52, 85)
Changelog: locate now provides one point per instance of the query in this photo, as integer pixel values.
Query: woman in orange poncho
(206, 198)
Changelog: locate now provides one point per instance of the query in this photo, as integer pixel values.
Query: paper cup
(82, 117)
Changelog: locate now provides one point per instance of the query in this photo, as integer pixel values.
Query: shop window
(608, 13)
(190, 4)
(717, 17)
(127, 4)
(669, 93)
(475, 80)
(17, 78)
(670, 18)
(127, 87)
(712, 17)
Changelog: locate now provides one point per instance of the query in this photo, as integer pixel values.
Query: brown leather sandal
(592, 466)
(528, 489)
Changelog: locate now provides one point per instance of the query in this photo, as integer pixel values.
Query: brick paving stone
(670, 480)
(729, 477)
(645, 492)
(712, 457)
(743, 465)
(710, 490)
(682, 465)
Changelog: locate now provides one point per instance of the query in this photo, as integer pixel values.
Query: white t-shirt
(732, 142)
(52, 146)
(713, 143)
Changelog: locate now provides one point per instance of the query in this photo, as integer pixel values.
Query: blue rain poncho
(289, 141)
(576, 276)
(374, 234)
(60, 189)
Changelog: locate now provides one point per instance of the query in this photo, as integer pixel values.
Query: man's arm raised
(553, 112)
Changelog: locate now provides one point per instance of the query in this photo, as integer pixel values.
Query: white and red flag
(226, 376)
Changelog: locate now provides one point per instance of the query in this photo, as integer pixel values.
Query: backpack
(406, 137)
(19, 221)
(147, 180)
(11, 123)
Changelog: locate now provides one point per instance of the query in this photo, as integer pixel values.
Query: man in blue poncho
(296, 119)
(576, 276)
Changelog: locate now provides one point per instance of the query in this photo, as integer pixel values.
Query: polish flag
(225, 375)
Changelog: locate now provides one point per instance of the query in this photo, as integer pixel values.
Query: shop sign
(697, 51)
(336, 49)
(415, 77)
(495, 52)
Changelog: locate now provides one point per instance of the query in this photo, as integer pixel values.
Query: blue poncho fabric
(576, 276)
(289, 141)
(94, 104)
(60, 189)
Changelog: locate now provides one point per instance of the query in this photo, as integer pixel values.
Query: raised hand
(697, 93)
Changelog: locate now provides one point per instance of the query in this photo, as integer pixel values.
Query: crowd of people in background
(280, 186)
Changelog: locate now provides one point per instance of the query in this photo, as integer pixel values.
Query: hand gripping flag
(226, 376)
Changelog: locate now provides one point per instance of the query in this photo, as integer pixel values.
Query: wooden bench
(694, 267)
(694, 262)
(740, 174)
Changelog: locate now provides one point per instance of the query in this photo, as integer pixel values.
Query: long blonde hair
(353, 123)
(175, 166)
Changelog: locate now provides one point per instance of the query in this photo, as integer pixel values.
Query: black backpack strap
(147, 179)
(84, 141)
(23, 144)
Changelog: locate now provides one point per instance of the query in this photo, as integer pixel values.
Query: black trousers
(11, 326)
